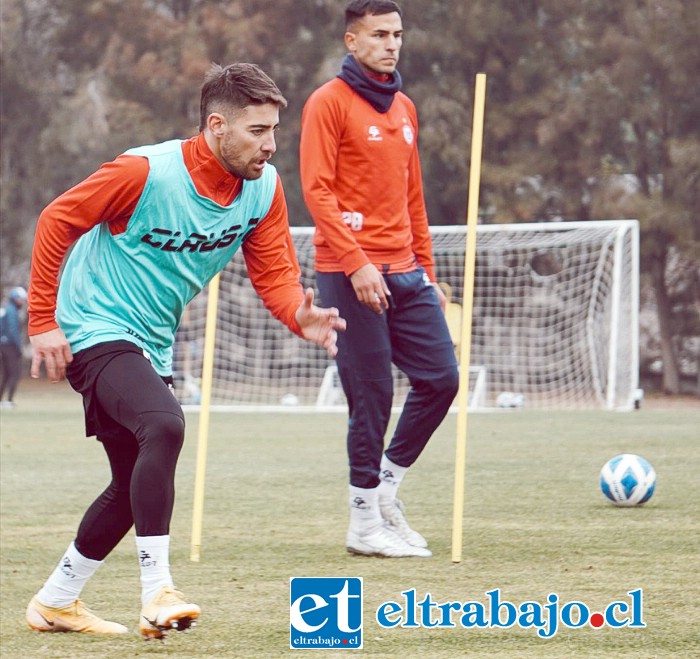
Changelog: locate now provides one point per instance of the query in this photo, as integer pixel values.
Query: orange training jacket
(362, 183)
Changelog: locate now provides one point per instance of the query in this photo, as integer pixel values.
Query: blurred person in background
(11, 345)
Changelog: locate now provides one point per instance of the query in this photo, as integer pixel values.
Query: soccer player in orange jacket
(361, 179)
(151, 229)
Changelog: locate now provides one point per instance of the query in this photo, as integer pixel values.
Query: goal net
(555, 324)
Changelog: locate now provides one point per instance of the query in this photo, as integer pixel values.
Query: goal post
(555, 324)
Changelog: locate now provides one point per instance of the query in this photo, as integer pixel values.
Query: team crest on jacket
(408, 134)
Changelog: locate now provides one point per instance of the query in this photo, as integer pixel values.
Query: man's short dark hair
(234, 87)
(358, 9)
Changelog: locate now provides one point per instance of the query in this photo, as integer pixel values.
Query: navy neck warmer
(380, 95)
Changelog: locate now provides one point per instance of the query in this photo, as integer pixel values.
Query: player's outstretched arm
(319, 325)
(53, 350)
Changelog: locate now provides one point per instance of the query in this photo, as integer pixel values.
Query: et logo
(325, 612)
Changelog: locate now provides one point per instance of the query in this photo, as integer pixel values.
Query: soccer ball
(627, 480)
(510, 399)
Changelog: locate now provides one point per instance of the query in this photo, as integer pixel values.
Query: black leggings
(143, 445)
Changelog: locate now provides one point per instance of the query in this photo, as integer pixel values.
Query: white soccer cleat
(392, 511)
(382, 542)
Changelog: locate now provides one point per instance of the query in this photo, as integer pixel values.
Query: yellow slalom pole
(467, 312)
(203, 432)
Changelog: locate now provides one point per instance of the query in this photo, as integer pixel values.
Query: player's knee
(163, 428)
(172, 428)
(119, 490)
(450, 382)
(443, 386)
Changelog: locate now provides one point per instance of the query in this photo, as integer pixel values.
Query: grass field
(535, 523)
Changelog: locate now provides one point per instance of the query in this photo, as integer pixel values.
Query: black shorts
(82, 373)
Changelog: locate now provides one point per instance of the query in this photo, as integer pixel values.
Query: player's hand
(319, 325)
(370, 288)
(442, 298)
(53, 350)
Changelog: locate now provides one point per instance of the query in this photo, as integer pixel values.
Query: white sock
(390, 477)
(364, 510)
(67, 581)
(154, 560)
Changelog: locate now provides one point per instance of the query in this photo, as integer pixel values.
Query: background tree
(592, 111)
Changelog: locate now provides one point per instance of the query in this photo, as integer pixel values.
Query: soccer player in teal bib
(150, 229)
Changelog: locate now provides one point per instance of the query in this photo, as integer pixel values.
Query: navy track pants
(413, 335)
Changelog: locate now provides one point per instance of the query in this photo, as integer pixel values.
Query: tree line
(592, 112)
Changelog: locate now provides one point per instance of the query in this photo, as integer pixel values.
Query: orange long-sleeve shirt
(111, 194)
(362, 182)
